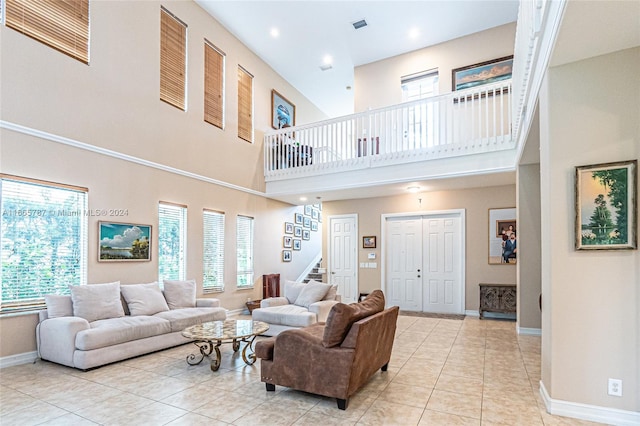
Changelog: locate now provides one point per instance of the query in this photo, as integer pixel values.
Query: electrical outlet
(615, 387)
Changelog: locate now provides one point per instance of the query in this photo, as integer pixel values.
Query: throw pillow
(144, 299)
(292, 290)
(97, 301)
(311, 293)
(180, 294)
(342, 316)
(58, 306)
(332, 293)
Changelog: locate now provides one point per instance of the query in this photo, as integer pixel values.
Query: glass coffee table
(209, 336)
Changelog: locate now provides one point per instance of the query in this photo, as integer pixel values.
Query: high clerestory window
(245, 105)
(173, 59)
(214, 59)
(62, 25)
(43, 241)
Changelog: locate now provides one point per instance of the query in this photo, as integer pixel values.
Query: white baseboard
(529, 331)
(593, 413)
(472, 313)
(18, 359)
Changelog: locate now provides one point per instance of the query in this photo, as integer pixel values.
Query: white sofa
(302, 305)
(103, 323)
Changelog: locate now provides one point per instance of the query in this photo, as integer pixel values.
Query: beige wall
(378, 84)
(114, 104)
(591, 318)
(476, 203)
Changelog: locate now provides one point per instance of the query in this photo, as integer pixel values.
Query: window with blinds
(173, 59)
(213, 253)
(62, 25)
(43, 241)
(172, 241)
(244, 251)
(245, 105)
(214, 60)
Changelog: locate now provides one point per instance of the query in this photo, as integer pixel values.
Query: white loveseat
(103, 323)
(302, 305)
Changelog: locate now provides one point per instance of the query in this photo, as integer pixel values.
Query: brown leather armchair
(335, 358)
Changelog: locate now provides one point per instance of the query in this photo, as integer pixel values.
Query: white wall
(589, 114)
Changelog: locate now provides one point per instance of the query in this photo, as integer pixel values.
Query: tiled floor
(442, 372)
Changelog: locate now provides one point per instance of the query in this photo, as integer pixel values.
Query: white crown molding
(588, 412)
(125, 157)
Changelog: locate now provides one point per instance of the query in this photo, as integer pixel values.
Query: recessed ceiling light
(413, 189)
(303, 198)
(414, 33)
(327, 60)
(274, 32)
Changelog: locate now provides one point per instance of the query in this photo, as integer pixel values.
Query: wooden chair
(270, 286)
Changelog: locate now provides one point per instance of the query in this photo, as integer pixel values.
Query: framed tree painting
(283, 112)
(606, 214)
(123, 242)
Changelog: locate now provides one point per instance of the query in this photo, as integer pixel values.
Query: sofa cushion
(292, 289)
(58, 305)
(180, 294)
(144, 299)
(289, 315)
(186, 317)
(332, 293)
(342, 316)
(97, 301)
(311, 293)
(109, 332)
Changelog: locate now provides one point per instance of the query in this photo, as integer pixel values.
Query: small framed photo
(287, 241)
(297, 244)
(286, 255)
(314, 225)
(606, 216)
(123, 242)
(288, 228)
(307, 222)
(314, 214)
(308, 209)
(297, 231)
(283, 111)
(369, 242)
(298, 218)
(306, 234)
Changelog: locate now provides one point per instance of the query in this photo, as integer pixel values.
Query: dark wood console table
(499, 298)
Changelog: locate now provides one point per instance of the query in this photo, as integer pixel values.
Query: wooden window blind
(245, 105)
(213, 85)
(173, 59)
(62, 25)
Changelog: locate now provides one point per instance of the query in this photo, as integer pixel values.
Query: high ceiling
(309, 31)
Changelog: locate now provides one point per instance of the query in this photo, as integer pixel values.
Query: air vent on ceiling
(359, 24)
(325, 67)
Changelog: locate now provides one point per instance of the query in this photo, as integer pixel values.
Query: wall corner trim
(592, 413)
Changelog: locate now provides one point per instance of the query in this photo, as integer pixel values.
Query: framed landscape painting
(481, 73)
(282, 111)
(606, 206)
(123, 242)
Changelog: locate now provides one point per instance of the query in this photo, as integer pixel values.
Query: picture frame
(288, 228)
(606, 206)
(481, 73)
(283, 111)
(297, 231)
(308, 209)
(369, 242)
(502, 223)
(297, 244)
(314, 225)
(298, 218)
(315, 214)
(287, 241)
(124, 242)
(286, 255)
(306, 234)
(307, 222)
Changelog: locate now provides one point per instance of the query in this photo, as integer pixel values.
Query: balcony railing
(471, 121)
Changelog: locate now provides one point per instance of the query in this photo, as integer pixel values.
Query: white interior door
(343, 261)
(404, 263)
(442, 259)
(424, 265)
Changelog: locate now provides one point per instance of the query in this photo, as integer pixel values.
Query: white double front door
(424, 264)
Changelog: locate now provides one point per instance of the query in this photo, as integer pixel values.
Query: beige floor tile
(358, 405)
(12, 400)
(228, 408)
(270, 414)
(192, 419)
(437, 418)
(312, 418)
(467, 385)
(463, 370)
(414, 396)
(122, 404)
(156, 414)
(390, 413)
(456, 403)
(68, 420)
(409, 376)
(37, 413)
(512, 411)
(294, 399)
(194, 397)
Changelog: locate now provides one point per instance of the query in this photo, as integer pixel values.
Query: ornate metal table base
(230, 331)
